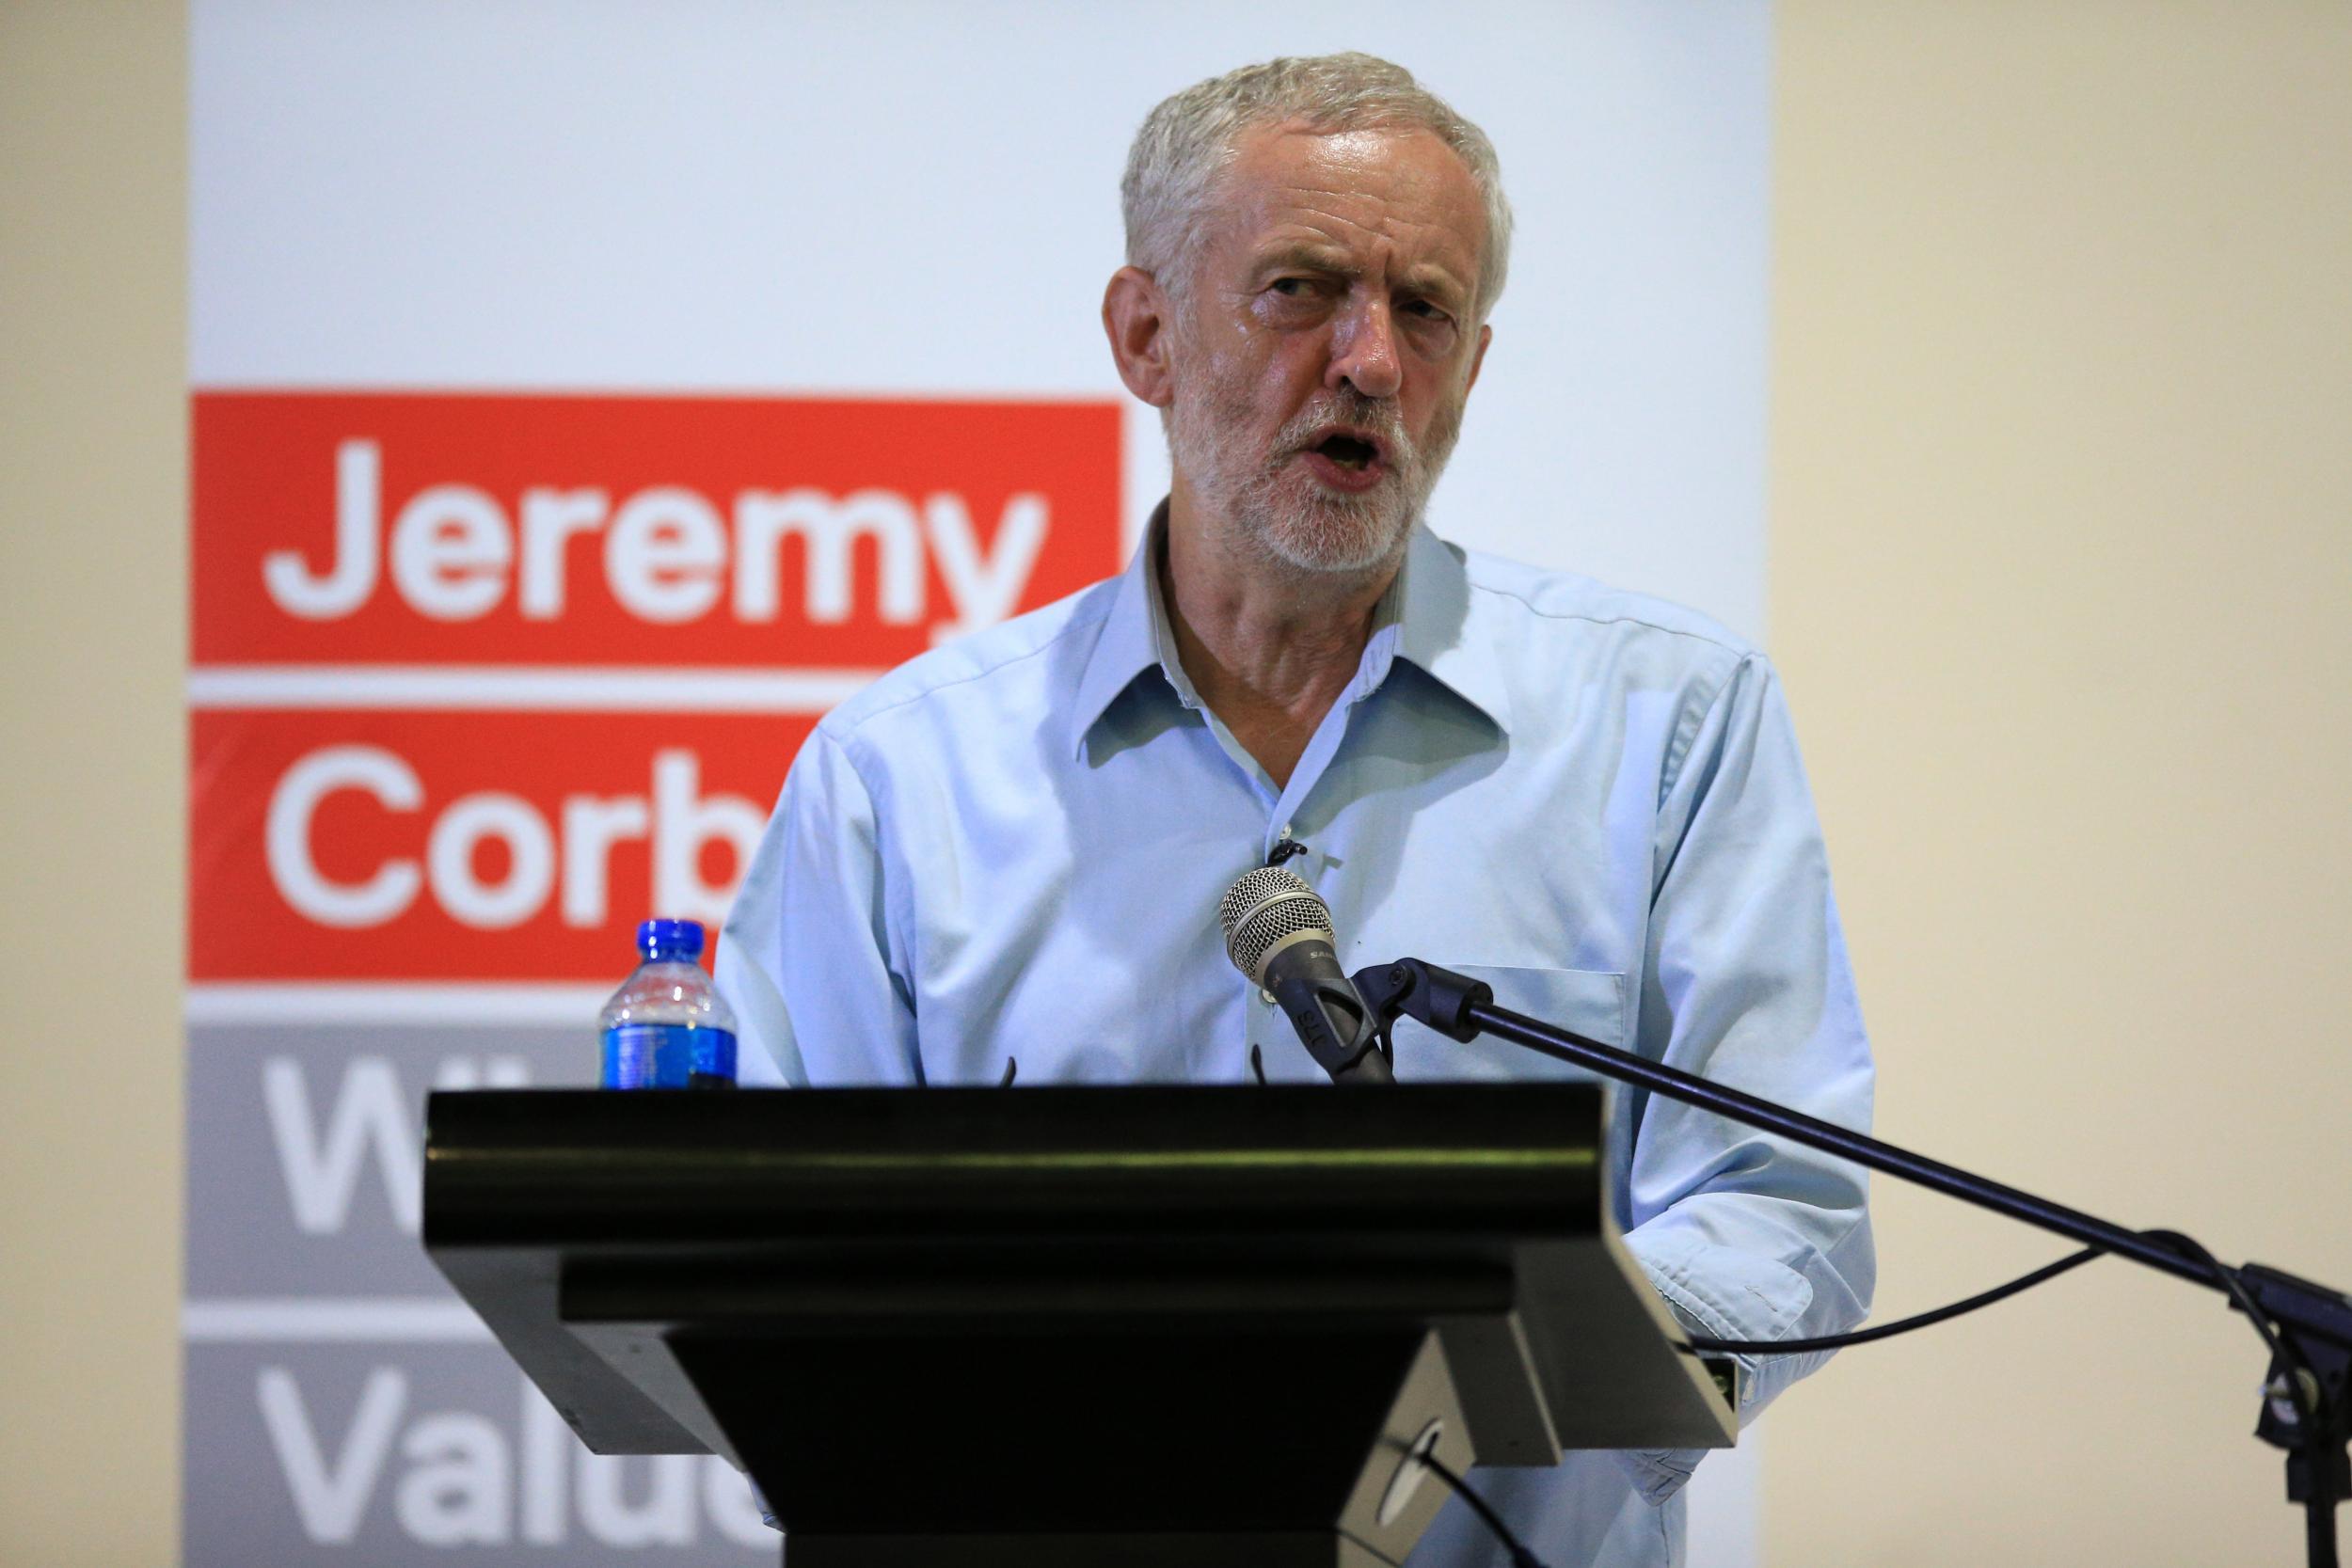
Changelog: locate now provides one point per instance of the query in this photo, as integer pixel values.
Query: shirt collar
(1134, 638)
(1424, 617)
(1434, 629)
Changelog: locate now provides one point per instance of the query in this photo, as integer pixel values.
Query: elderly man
(1014, 846)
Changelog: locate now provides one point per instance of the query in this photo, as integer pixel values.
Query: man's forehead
(1288, 183)
(1378, 161)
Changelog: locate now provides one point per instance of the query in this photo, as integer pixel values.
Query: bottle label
(666, 1055)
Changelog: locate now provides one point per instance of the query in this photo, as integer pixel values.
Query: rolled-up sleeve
(1748, 1236)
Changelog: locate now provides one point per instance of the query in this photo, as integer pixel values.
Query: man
(1014, 846)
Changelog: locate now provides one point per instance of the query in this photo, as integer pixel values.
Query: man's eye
(1424, 309)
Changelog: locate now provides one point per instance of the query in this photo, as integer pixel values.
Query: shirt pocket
(1587, 1001)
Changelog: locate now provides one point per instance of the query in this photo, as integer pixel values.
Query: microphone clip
(1433, 997)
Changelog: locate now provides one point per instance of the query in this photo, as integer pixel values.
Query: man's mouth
(1350, 452)
(1347, 458)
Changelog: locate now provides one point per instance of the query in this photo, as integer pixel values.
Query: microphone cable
(2303, 1393)
(1699, 1344)
(1520, 1556)
(2308, 1406)
(2188, 1247)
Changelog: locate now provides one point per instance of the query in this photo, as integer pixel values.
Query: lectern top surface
(515, 1167)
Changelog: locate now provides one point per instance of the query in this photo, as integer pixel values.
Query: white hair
(1185, 143)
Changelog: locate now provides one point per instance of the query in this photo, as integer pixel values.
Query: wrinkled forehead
(1397, 192)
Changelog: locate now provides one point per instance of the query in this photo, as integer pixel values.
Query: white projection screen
(499, 311)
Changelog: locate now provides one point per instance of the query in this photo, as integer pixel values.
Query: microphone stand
(2307, 1408)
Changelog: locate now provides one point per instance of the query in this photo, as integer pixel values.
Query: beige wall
(92, 576)
(2062, 469)
(2061, 519)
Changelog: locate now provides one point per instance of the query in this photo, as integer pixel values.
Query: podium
(1165, 1327)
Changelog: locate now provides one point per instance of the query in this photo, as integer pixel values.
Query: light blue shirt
(1014, 845)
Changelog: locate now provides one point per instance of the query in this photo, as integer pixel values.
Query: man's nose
(1363, 351)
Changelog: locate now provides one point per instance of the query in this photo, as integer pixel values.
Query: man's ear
(1135, 318)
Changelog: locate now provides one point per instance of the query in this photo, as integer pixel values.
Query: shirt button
(1265, 997)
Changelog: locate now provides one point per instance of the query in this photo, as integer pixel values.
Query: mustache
(1381, 415)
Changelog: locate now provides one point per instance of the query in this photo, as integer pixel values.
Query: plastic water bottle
(666, 1028)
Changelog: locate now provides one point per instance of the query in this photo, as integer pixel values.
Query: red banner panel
(525, 847)
(471, 529)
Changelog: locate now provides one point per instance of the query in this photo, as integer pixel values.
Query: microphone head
(1267, 906)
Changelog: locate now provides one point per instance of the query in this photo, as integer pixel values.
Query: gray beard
(1322, 532)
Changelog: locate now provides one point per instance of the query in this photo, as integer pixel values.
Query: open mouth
(1349, 453)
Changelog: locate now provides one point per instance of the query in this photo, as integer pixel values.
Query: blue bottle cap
(671, 939)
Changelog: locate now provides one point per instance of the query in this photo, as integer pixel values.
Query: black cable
(1520, 1556)
(2227, 1277)
(2303, 1392)
(2187, 1247)
(1699, 1344)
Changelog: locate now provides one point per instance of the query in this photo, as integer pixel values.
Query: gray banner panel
(343, 1407)
(304, 1144)
(385, 1454)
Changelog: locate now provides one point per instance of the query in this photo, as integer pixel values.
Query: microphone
(1278, 933)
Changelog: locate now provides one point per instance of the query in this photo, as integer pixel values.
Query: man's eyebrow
(1435, 281)
(1426, 278)
(1305, 258)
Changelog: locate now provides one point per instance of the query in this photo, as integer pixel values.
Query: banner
(479, 682)
(584, 401)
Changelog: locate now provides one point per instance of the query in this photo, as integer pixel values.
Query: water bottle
(666, 1028)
